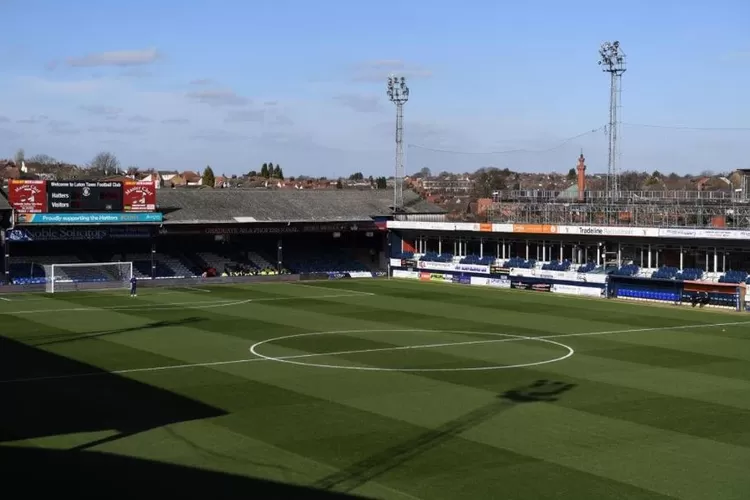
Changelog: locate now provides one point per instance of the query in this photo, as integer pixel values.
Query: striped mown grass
(388, 389)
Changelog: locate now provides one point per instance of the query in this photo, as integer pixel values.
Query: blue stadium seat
(627, 270)
(520, 263)
(733, 277)
(665, 273)
(587, 268)
(557, 265)
(476, 260)
(690, 274)
(435, 257)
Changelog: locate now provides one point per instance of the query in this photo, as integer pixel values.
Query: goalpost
(88, 276)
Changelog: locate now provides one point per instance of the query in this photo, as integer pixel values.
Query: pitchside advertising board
(63, 233)
(36, 197)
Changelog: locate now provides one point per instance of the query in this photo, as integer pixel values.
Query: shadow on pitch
(369, 469)
(44, 394)
(102, 475)
(67, 337)
(77, 398)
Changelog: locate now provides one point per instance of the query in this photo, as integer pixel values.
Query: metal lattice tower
(398, 94)
(612, 61)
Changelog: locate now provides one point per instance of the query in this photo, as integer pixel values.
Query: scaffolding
(696, 209)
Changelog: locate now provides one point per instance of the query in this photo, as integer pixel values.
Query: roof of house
(251, 205)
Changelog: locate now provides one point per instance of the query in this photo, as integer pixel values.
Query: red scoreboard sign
(139, 196)
(28, 196)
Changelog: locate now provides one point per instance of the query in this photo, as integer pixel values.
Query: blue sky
(233, 84)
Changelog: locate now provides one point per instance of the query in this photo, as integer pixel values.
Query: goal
(88, 276)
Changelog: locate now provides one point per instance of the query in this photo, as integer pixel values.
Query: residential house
(192, 178)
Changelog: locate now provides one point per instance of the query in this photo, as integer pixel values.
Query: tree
(356, 176)
(381, 183)
(264, 170)
(43, 160)
(278, 173)
(631, 181)
(425, 173)
(252, 173)
(489, 180)
(208, 178)
(339, 185)
(656, 174)
(572, 174)
(106, 163)
(20, 156)
(270, 171)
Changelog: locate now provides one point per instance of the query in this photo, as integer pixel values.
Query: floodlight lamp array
(611, 56)
(398, 91)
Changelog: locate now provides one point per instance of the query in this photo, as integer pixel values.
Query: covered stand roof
(247, 205)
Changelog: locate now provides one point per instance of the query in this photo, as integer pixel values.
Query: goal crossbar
(83, 276)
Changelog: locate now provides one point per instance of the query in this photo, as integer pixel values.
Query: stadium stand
(690, 274)
(557, 265)
(30, 271)
(734, 277)
(520, 263)
(238, 205)
(587, 268)
(435, 257)
(627, 270)
(665, 273)
(192, 240)
(477, 260)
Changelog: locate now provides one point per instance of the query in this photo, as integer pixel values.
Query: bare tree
(20, 156)
(43, 159)
(106, 163)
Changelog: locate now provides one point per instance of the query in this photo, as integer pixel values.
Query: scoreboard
(84, 196)
(38, 196)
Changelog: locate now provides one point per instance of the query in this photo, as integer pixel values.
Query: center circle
(504, 337)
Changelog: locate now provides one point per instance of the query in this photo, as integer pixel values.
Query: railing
(623, 196)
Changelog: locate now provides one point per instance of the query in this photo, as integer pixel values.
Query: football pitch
(385, 389)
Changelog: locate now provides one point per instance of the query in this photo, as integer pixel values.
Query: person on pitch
(133, 287)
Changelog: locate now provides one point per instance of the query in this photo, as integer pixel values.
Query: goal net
(88, 276)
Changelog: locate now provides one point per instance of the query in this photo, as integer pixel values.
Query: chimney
(581, 178)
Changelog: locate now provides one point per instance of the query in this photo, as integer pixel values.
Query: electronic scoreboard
(84, 196)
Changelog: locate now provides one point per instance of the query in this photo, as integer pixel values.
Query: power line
(678, 127)
(565, 142)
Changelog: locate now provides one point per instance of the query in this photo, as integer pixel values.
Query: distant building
(457, 185)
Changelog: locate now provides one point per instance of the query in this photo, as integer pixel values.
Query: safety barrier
(719, 295)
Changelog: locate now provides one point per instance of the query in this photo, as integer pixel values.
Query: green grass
(653, 403)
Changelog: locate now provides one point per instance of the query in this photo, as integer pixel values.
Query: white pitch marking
(291, 359)
(172, 305)
(249, 360)
(196, 289)
(5, 299)
(357, 292)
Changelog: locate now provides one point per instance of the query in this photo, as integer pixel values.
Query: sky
(180, 85)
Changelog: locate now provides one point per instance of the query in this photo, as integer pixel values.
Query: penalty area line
(382, 349)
